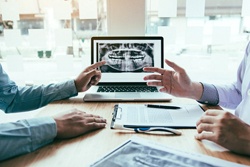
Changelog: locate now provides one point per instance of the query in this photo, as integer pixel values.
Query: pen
(162, 106)
(148, 129)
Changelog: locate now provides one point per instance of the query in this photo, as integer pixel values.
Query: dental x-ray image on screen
(126, 57)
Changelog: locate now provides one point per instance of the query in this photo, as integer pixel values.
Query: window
(207, 37)
(53, 37)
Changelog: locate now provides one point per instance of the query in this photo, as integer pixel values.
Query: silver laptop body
(122, 75)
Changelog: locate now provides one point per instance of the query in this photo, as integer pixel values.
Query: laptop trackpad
(127, 95)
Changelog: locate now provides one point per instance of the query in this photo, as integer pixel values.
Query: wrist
(76, 85)
(59, 127)
(246, 141)
(196, 90)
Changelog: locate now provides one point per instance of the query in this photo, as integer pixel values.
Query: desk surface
(87, 148)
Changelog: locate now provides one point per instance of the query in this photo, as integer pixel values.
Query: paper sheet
(213, 146)
(141, 152)
(139, 115)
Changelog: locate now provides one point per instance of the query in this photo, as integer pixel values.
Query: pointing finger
(96, 65)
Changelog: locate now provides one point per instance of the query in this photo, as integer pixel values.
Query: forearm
(196, 90)
(25, 136)
(30, 98)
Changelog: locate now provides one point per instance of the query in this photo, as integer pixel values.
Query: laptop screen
(126, 57)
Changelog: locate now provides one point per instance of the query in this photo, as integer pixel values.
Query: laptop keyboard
(127, 89)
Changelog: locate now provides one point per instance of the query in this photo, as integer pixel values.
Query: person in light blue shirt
(229, 130)
(25, 136)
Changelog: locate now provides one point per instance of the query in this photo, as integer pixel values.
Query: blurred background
(44, 41)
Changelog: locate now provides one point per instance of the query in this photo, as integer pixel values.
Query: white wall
(126, 17)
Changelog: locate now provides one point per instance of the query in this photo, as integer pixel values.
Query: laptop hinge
(122, 84)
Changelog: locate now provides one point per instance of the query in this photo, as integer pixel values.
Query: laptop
(122, 75)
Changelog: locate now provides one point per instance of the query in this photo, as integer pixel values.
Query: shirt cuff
(43, 131)
(209, 95)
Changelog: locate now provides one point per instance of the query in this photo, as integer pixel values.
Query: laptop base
(101, 97)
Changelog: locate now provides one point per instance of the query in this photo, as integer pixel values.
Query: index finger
(154, 69)
(96, 65)
(208, 116)
(206, 119)
(213, 112)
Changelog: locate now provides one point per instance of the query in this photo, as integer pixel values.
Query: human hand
(88, 77)
(76, 123)
(175, 82)
(224, 129)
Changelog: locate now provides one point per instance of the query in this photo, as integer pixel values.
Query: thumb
(173, 65)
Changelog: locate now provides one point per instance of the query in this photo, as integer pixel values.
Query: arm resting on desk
(25, 136)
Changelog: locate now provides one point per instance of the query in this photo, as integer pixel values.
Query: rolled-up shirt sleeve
(25, 136)
(210, 95)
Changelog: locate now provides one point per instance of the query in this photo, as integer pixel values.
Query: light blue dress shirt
(28, 135)
(235, 95)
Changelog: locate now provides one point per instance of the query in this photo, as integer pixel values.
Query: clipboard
(115, 115)
(139, 115)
